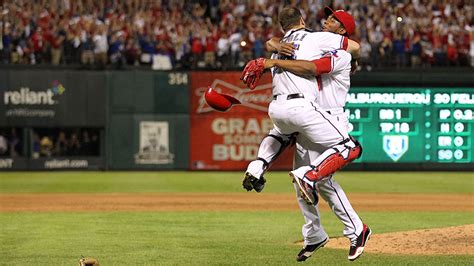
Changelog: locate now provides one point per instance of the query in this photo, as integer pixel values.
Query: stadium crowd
(49, 142)
(54, 142)
(224, 34)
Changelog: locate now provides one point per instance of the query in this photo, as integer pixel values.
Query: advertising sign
(52, 98)
(230, 140)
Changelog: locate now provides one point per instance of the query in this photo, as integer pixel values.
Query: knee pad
(335, 159)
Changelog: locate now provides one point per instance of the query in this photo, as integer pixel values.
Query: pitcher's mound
(457, 240)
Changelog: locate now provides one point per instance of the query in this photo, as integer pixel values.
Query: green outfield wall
(159, 120)
(148, 120)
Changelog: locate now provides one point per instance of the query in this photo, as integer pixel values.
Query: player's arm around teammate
(338, 22)
(275, 45)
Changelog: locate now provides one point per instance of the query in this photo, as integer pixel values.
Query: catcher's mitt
(88, 262)
(252, 72)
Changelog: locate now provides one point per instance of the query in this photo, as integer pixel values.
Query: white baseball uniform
(333, 88)
(294, 108)
(308, 46)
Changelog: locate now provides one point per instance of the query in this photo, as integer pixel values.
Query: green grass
(177, 182)
(207, 238)
(194, 238)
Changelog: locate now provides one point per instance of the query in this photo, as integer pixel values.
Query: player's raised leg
(330, 161)
(270, 148)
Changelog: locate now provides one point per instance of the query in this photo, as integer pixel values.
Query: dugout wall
(38, 105)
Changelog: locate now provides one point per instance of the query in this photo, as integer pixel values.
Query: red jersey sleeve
(323, 65)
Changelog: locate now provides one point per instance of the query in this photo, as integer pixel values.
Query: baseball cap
(219, 101)
(342, 16)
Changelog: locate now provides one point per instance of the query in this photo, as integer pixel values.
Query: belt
(290, 96)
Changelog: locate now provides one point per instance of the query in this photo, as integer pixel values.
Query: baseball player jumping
(333, 70)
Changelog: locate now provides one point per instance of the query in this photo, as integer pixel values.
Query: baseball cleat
(251, 182)
(307, 192)
(308, 250)
(358, 245)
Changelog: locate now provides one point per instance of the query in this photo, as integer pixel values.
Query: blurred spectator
(3, 145)
(57, 47)
(87, 148)
(95, 144)
(471, 51)
(101, 46)
(132, 52)
(246, 47)
(36, 146)
(46, 146)
(452, 54)
(38, 46)
(5, 43)
(147, 47)
(258, 48)
(385, 51)
(416, 52)
(210, 50)
(196, 49)
(47, 142)
(223, 50)
(87, 47)
(14, 143)
(162, 59)
(427, 56)
(116, 50)
(72, 47)
(399, 50)
(74, 145)
(439, 51)
(61, 146)
(235, 47)
(375, 41)
(365, 52)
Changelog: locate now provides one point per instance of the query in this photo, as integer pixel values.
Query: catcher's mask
(219, 101)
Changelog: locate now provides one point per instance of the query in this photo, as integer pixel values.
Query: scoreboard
(413, 125)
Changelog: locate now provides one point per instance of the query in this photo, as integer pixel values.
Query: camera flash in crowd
(399, 19)
(243, 43)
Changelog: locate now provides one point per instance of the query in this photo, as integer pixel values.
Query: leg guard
(270, 148)
(268, 151)
(334, 159)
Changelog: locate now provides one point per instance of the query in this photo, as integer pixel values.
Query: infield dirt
(17, 202)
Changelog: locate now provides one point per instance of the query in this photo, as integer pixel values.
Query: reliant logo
(258, 99)
(27, 97)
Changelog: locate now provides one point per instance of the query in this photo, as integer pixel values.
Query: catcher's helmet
(218, 101)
